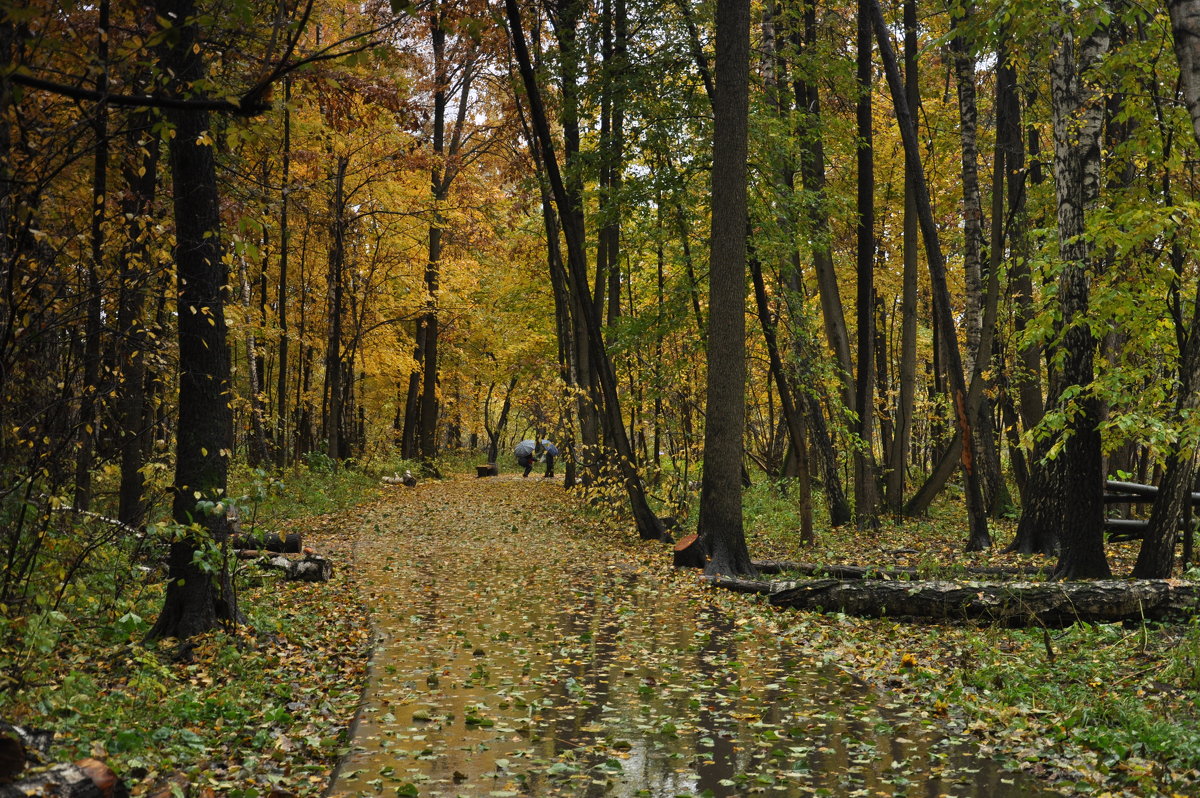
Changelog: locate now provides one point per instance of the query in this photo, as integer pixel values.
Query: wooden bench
(487, 470)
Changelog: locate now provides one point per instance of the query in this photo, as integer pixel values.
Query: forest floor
(1093, 709)
(571, 598)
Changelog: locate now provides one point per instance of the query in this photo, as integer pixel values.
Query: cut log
(689, 553)
(87, 778)
(280, 544)
(489, 470)
(1054, 604)
(21, 746)
(407, 480)
(837, 571)
(764, 587)
(12, 758)
(309, 569)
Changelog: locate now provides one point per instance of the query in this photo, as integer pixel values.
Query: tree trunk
(141, 179)
(194, 599)
(1052, 604)
(1079, 512)
(812, 174)
(792, 417)
(720, 522)
(866, 490)
(980, 300)
(902, 436)
(333, 346)
(88, 426)
(256, 446)
(281, 426)
(494, 434)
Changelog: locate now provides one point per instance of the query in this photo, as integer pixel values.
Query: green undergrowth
(240, 711)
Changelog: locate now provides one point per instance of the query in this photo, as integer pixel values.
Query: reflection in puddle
(499, 677)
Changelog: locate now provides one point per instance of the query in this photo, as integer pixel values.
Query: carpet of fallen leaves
(1061, 705)
(526, 647)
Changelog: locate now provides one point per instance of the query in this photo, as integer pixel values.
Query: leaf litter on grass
(521, 652)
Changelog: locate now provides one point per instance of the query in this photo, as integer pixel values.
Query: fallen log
(87, 778)
(836, 571)
(1054, 604)
(763, 587)
(288, 543)
(309, 569)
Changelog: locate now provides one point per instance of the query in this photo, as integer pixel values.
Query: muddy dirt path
(519, 653)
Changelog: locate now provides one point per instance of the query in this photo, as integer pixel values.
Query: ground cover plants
(237, 712)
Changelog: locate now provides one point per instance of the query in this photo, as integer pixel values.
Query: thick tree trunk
(720, 523)
(1157, 555)
(839, 571)
(1079, 512)
(194, 599)
(141, 179)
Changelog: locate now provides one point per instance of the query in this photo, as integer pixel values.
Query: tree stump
(689, 553)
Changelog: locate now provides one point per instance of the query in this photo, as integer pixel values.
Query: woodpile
(309, 569)
(22, 772)
(408, 480)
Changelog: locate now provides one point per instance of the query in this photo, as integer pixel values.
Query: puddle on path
(512, 662)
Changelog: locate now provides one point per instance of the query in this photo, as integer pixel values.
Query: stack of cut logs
(271, 552)
(23, 772)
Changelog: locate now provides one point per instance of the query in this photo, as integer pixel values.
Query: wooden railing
(1125, 529)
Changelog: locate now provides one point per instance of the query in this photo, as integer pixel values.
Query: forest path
(521, 652)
